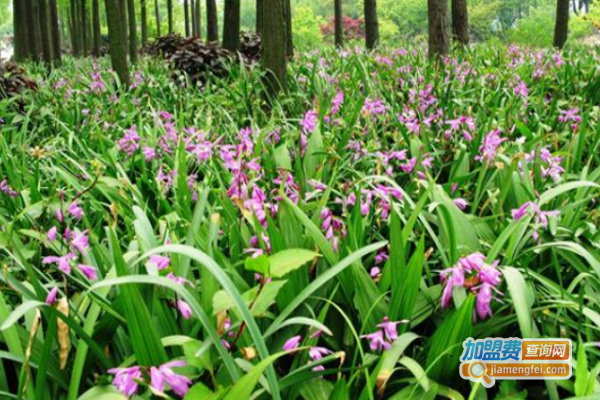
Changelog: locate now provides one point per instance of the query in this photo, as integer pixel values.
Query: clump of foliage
(196, 59)
(166, 46)
(13, 80)
(250, 47)
(353, 28)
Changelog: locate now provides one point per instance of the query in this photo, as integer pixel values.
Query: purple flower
(161, 262)
(540, 219)
(125, 379)
(149, 153)
(157, 381)
(473, 273)
(184, 309)
(179, 384)
(317, 353)
(51, 298)
(130, 142)
(62, 262)
(489, 147)
(377, 341)
(389, 328)
(292, 343)
(89, 271)
(373, 107)
(5, 187)
(484, 297)
(309, 121)
(375, 271)
(75, 210)
(81, 242)
(59, 215)
(461, 203)
(52, 234)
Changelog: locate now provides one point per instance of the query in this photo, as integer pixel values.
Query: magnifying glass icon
(478, 370)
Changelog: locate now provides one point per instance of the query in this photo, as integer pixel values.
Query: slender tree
(371, 24)
(83, 28)
(157, 16)
(96, 28)
(231, 25)
(170, 15)
(198, 18)
(45, 32)
(337, 22)
(561, 27)
(193, 17)
(21, 43)
(56, 35)
(437, 13)
(75, 37)
(117, 37)
(460, 22)
(289, 37)
(212, 25)
(259, 16)
(144, 17)
(186, 17)
(274, 52)
(33, 27)
(132, 31)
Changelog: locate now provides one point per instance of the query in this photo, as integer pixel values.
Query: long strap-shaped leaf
(320, 281)
(235, 295)
(193, 303)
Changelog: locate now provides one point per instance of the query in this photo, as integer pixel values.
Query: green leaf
(200, 392)
(103, 393)
(316, 389)
(20, 311)
(518, 292)
(258, 264)
(286, 261)
(320, 281)
(443, 357)
(145, 339)
(243, 388)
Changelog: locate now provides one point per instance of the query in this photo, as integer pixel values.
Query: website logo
(485, 360)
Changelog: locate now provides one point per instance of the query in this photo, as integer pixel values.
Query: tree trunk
(371, 24)
(186, 17)
(170, 15)
(439, 43)
(75, 38)
(260, 4)
(231, 25)
(157, 16)
(117, 37)
(144, 16)
(561, 28)
(96, 28)
(338, 25)
(132, 31)
(199, 18)
(83, 29)
(460, 22)
(33, 26)
(289, 36)
(55, 29)
(194, 19)
(45, 32)
(274, 45)
(21, 42)
(212, 25)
